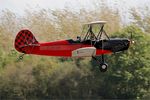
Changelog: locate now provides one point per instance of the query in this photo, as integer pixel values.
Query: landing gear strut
(103, 66)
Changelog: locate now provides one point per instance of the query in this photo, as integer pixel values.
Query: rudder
(24, 38)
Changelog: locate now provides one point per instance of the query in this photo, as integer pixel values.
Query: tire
(103, 67)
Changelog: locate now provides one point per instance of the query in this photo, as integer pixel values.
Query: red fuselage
(26, 43)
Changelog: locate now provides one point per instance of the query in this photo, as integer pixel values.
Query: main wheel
(103, 67)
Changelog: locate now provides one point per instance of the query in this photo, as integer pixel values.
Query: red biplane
(93, 44)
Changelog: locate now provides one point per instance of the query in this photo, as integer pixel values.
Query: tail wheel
(103, 67)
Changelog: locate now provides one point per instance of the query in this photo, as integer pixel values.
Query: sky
(19, 6)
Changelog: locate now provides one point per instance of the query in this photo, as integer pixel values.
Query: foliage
(128, 75)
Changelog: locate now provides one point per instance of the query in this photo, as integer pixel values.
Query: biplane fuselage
(70, 48)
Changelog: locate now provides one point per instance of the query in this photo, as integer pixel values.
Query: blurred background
(37, 77)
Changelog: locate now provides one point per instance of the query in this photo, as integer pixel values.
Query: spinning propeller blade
(131, 39)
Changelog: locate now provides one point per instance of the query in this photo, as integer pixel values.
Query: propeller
(131, 39)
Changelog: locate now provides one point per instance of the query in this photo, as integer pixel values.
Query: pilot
(78, 38)
(92, 37)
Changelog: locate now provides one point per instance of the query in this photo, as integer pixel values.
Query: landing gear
(103, 66)
(20, 57)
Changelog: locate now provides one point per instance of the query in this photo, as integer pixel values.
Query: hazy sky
(18, 6)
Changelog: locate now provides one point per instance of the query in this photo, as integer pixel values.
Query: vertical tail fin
(24, 38)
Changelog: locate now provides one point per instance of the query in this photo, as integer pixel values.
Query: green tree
(128, 74)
